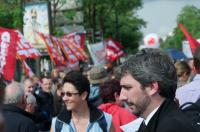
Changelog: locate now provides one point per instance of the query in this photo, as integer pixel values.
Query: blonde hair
(181, 68)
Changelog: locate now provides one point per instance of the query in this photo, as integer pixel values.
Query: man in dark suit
(149, 83)
(15, 117)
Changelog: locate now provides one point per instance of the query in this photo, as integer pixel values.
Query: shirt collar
(95, 114)
(150, 115)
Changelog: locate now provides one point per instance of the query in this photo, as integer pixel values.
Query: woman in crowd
(109, 92)
(78, 114)
(183, 72)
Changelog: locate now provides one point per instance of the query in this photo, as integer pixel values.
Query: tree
(190, 18)
(11, 14)
(116, 18)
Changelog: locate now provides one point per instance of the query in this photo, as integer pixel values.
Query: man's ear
(116, 96)
(117, 100)
(28, 107)
(24, 99)
(153, 88)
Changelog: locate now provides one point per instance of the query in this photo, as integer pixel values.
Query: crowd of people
(149, 86)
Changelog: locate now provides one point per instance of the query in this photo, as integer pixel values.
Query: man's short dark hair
(77, 79)
(46, 77)
(153, 65)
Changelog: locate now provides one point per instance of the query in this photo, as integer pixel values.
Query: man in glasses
(148, 84)
(79, 115)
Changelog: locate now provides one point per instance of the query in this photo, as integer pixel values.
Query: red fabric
(71, 58)
(24, 48)
(7, 53)
(193, 42)
(120, 115)
(113, 49)
(77, 38)
(53, 53)
(78, 52)
(27, 69)
(58, 49)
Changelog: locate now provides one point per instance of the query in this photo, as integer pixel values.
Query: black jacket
(169, 118)
(45, 109)
(18, 120)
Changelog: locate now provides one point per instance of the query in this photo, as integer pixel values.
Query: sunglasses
(68, 94)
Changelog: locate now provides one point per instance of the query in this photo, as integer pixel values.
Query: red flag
(77, 38)
(68, 53)
(7, 53)
(78, 52)
(113, 49)
(27, 69)
(25, 49)
(58, 49)
(53, 53)
(193, 42)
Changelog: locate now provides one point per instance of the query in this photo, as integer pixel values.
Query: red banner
(24, 48)
(78, 52)
(113, 49)
(7, 53)
(27, 70)
(193, 42)
(58, 49)
(77, 38)
(68, 53)
(53, 53)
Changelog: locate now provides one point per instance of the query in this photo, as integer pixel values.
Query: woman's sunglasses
(68, 94)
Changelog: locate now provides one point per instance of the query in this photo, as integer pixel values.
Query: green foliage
(115, 18)
(190, 18)
(58, 32)
(70, 14)
(11, 15)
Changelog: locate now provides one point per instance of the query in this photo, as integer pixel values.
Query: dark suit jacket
(169, 118)
(18, 120)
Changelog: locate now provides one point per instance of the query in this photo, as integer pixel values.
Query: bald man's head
(14, 94)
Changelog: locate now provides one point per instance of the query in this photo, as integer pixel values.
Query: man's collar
(151, 115)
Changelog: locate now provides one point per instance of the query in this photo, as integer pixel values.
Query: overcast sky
(161, 15)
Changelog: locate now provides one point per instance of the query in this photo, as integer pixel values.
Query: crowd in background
(100, 99)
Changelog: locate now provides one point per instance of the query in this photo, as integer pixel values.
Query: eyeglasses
(68, 94)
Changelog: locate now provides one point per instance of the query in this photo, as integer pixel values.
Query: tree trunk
(94, 20)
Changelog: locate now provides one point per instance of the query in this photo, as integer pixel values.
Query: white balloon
(151, 41)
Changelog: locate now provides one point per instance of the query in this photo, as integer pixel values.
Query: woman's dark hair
(77, 79)
(108, 89)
